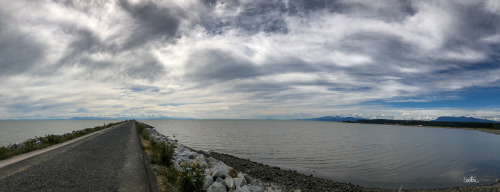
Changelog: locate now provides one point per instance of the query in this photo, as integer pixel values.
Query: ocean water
(19, 131)
(369, 155)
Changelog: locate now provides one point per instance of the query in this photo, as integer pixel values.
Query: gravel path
(90, 166)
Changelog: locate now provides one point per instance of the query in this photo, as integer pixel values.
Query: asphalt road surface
(110, 161)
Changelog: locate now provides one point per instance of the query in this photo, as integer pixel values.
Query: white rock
(239, 182)
(216, 187)
(219, 171)
(243, 189)
(221, 181)
(208, 181)
(177, 166)
(200, 157)
(208, 172)
(212, 162)
(240, 175)
(201, 161)
(230, 183)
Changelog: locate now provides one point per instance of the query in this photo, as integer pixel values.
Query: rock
(208, 181)
(243, 189)
(258, 183)
(177, 166)
(20, 145)
(208, 172)
(190, 154)
(219, 171)
(200, 157)
(212, 162)
(221, 181)
(233, 173)
(239, 182)
(255, 188)
(203, 164)
(240, 175)
(216, 187)
(249, 179)
(201, 161)
(181, 159)
(230, 183)
(180, 148)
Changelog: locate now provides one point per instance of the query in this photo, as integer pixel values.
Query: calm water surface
(19, 131)
(368, 155)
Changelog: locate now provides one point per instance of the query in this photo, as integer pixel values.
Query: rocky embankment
(219, 177)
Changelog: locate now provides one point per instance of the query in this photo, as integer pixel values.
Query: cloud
(218, 65)
(19, 51)
(240, 58)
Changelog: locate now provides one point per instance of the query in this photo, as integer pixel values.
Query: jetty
(107, 160)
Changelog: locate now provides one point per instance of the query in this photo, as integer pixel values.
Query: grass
(46, 141)
(161, 153)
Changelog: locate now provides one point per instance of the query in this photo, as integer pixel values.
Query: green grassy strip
(49, 140)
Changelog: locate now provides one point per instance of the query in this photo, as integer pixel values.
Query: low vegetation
(189, 179)
(46, 141)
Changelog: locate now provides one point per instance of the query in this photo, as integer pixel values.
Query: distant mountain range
(122, 118)
(325, 118)
(333, 118)
(464, 119)
(96, 118)
(442, 118)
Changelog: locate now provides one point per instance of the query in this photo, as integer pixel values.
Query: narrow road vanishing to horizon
(109, 161)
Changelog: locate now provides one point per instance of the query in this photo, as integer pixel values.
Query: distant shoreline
(486, 130)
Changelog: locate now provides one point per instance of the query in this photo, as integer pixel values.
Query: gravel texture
(90, 166)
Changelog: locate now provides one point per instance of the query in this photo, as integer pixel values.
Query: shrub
(4, 153)
(171, 175)
(186, 183)
(192, 177)
(163, 152)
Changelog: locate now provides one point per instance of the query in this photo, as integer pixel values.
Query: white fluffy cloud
(242, 59)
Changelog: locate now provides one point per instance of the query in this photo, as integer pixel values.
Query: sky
(245, 59)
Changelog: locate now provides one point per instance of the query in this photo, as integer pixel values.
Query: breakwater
(218, 176)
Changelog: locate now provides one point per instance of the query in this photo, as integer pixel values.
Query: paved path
(109, 161)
